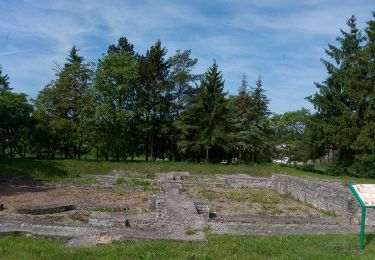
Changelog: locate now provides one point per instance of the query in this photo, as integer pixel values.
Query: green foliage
(189, 231)
(329, 213)
(295, 136)
(134, 182)
(64, 107)
(120, 181)
(115, 122)
(260, 131)
(122, 46)
(4, 81)
(344, 102)
(241, 125)
(203, 124)
(181, 78)
(155, 100)
(363, 166)
(16, 124)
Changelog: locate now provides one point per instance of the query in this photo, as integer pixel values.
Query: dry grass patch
(251, 201)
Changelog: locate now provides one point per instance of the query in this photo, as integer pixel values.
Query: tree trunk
(239, 157)
(117, 153)
(24, 151)
(97, 153)
(146, 149)
(152, 148)
(253, 157)
(11, 152)
(79, 152)
(207, 155)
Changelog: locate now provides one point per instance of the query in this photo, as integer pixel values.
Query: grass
(329, 213)
(261, 196)
(217, 247)
(189, 231)
(62, 170)
(210, 196)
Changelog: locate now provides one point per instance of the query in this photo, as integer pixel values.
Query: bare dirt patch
(251, 201)
(13, 195)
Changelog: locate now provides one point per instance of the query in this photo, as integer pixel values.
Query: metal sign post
(365, 194)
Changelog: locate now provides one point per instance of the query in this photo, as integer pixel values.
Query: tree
(155, 100)
(4, 81)
(259, 124)
(213, 109)
(65, 105)
(15, 124)
(289, 135)
(189, 124)
(364, 77)
(181, 77)
(182, 80)
(116, 86)
(341, 98)
(123, 45)
(241, 108)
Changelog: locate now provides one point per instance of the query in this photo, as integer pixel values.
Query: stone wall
(248, 182)
(161, 209)
(325, 195)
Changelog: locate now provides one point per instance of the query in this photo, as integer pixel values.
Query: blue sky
(282, 40)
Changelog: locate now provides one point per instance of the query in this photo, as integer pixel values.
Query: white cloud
(282, 40)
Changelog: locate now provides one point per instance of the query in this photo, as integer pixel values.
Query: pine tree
(73, 57)
(340, 98)
(259, 102)
(259, 124)
(4, 81)
(213, 107)
(363, 78)
(240, 107)
(155, 100)
(182, 80)
(181, 76)
(123, 45)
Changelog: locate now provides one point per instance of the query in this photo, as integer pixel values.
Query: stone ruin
(173, 215)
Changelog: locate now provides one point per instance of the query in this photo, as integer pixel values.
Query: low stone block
(47, 209)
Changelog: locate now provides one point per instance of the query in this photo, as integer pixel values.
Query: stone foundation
(203, 207)
(324, 195)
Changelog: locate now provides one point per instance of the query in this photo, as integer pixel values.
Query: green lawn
(218, 247)
(67, 169)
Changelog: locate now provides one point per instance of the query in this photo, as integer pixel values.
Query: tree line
(154, 105)
(133, 104)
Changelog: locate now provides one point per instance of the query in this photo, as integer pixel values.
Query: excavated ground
(123, 205)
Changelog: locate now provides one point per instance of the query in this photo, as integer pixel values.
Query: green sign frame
(363, 216)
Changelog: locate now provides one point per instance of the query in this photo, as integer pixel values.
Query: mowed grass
(217, 247)
(68, 169)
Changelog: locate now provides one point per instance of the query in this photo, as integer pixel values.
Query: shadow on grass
(30, 169)
(369, 238)
(305, 168)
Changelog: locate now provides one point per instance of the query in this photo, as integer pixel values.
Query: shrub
(363, 166)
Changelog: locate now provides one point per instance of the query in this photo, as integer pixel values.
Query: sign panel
(367, 193)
